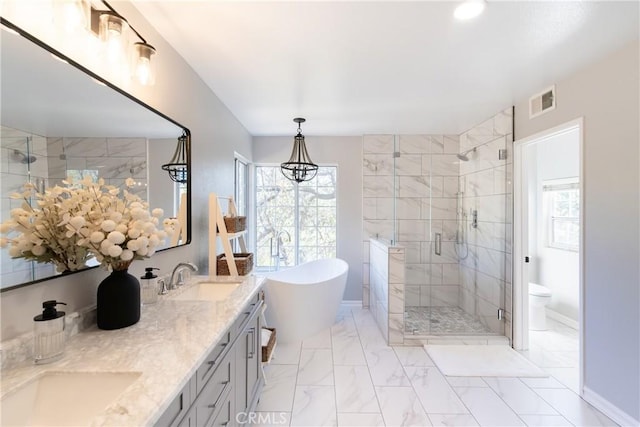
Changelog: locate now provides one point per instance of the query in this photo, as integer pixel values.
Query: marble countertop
(166, 347)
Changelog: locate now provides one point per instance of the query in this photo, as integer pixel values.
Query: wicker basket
(235, 224)
(268, 349)
(244, 264)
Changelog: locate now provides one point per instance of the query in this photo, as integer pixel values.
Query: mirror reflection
(57, 122)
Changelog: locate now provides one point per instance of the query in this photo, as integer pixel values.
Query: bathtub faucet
(278, 254)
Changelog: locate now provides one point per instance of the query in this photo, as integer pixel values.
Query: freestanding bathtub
(303, 300)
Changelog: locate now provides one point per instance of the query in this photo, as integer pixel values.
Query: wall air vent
(542, 102)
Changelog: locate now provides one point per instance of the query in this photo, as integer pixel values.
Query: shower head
(23, 158)
(464, 156)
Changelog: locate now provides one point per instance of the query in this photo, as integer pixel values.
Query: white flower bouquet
(69, 224)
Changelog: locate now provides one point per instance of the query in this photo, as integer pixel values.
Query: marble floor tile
(385, 367)
(354, 390)
(434, 392)
(466, 382)
(545, 420)
(413, 356)
(548, 382)
(569, 377)
(487, 408)
(346, 327)
(279, 388)
(519, 397)
(573, 408)
(316, 367)
(314, 406)
(360, 420)
(401, 407)
(268, 419)
(286, 354)
(347, 351)
(451, 420)
(371, 337)
(320, 340)
(552, 359)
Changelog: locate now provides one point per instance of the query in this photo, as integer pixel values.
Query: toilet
(539, 297)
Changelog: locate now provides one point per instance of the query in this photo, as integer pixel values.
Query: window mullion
(296, 237)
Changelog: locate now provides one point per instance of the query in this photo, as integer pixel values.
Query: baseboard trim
(608, 408)
(562, 319)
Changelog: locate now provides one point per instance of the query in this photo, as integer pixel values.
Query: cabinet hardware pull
(253, 343)
(211, 406)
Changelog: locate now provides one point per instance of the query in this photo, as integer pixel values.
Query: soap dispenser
(149, 286)
(48, 333)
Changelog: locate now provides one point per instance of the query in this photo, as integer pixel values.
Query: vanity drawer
(178, 407)
(210, 401)
(247, 311)
(225, 412)
(213, 361)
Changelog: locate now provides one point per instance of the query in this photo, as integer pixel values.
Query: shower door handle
(438, 244)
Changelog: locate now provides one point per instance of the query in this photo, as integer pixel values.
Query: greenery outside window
(562, 201)
(299, 219)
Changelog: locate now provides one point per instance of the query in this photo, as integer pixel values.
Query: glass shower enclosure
(449, 199)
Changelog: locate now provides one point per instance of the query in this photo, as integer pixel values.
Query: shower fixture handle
(438, 244)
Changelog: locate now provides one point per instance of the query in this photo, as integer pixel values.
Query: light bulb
(143, 71)
(143, 66)
(73, 17)
(469, 9)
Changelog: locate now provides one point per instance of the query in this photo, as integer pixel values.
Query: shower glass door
(452, 218)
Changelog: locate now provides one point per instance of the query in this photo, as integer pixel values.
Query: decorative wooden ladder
(216, 222)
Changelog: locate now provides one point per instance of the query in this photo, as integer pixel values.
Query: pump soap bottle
(149, 286)
(48, 333)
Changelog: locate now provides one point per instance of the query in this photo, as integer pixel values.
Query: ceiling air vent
(542, 102)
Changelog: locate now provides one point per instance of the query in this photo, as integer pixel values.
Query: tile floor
(556, 351)
(348, 376)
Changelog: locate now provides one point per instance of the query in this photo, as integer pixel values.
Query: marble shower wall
(115, 159)
(417, 186)
(387, 289)
(22, 159)
(485, 274)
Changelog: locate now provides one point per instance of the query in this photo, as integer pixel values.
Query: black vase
(118, 301)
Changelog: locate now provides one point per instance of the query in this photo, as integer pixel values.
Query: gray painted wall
(346, 152)
(216, 134)
(606, 94)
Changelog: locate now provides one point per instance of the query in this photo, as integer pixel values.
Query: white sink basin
(63, 398)
(208, 291)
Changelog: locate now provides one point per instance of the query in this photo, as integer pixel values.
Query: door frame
(521, 240)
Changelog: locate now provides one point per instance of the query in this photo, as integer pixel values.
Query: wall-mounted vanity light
(177, 166)
(115, 34)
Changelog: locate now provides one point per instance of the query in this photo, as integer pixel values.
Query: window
(562, 201)
(241, 195)
(241, 192)
(301, 216)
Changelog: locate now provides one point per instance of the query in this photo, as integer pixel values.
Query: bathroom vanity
(194, 359)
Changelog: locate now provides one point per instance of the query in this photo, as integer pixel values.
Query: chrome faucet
(278, 254)
(178, 273)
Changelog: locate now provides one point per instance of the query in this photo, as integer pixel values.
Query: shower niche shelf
(218, 229)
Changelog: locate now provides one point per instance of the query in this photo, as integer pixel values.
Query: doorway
(548, 251)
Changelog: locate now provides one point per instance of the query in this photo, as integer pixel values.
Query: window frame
(550, 189)
(296, 220)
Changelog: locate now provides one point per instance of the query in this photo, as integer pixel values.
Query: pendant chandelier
(299, 167)
(177, 166)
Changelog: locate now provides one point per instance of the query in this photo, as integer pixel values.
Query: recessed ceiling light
(469, 9)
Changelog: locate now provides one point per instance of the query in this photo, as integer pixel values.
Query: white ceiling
(384, 67)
